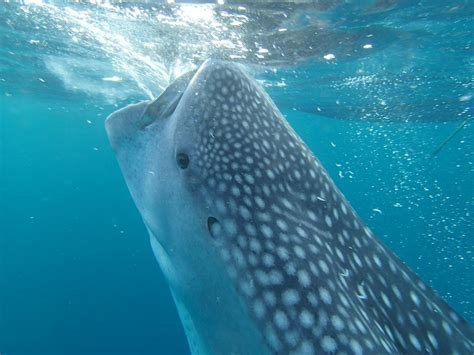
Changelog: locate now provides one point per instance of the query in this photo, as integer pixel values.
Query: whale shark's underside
(262, 252)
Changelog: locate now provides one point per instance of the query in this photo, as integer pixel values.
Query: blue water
(374, 89)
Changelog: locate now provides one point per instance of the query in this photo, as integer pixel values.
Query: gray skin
(262, 252)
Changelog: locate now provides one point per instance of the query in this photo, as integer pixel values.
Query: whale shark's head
(198, 149)
(210, 150)
(261, 250)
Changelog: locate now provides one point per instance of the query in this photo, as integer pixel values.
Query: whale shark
(262, 253)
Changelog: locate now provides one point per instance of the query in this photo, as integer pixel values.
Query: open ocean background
(373, 87)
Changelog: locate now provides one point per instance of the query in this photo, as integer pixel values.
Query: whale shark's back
(313, 276)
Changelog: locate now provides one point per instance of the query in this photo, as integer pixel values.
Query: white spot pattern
(301, 256)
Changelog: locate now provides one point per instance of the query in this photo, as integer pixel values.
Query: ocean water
(381, 91)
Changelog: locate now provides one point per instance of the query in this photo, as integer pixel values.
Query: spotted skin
(312, 277)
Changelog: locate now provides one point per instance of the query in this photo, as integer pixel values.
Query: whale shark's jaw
(262, 252)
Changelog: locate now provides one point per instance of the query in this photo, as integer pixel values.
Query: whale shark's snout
(124, 122)
(262, 252)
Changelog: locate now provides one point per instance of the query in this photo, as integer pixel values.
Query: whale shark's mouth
(165, 105)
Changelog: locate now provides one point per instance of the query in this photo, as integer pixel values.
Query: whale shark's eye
(182, 160)
(213, 226)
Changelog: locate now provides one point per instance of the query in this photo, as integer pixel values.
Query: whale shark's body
(262, 252)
